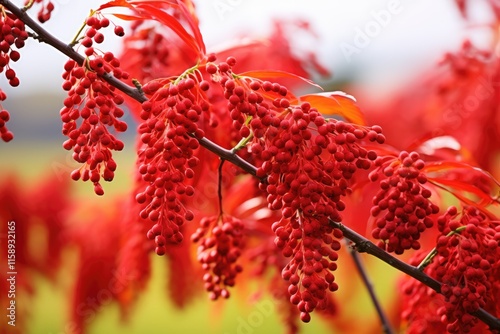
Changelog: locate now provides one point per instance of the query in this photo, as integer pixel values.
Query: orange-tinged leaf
(457, 187)
(462, 188)
(442, 166)
(336, 103)
(152, 10)
(194, 24)
(269, 74)
(172, 23)
(127, 17)
(116, 3)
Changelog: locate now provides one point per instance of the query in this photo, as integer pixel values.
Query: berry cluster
(12, 34)
(220, 244)
(307, 162)
(308, 172)
(402, 206)
(166, 155)
(94, 102)
(45, 10)
(312, 245)
(4, 118)
(154, 51)
(101, 63)
(467, 264)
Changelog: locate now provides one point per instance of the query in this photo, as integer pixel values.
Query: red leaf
(194, 24)
(336, 103)
(127, 17)
(462, 187)
(152, 10)
(173, 24)
(268, 74)
(116, 3)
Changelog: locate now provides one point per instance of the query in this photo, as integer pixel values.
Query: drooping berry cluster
(307, 162)
(12, 34)
(312, 244)
(46, 9)
(467, 263)
(402, 206)
(93, 35)
(220, 241)
(101, 62)
(308, 172)
(166, 157)
(4, 118)
(91, 107)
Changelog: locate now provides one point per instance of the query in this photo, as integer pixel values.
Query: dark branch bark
(46, 37)
(364, 245)
(386, 325)
(361, 243)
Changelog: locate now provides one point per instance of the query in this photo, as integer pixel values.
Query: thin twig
(386, 325)
(361, 243)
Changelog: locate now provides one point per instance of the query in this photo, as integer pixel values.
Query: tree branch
(386, 325)
(46, 37)
(361, 243)
(364, 245)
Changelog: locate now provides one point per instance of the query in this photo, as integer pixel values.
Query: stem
(28, 5)
(219, 188)
(228, 155)
(75, 39)
(361, 243)
(428, 259)
(369, 286)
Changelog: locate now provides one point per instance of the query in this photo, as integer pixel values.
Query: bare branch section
(361, 244)
(386, 325)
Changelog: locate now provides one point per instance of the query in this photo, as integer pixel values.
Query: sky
(375, 40)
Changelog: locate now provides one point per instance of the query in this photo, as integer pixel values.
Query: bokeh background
(413, 41)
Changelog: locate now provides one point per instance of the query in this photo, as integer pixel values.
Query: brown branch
(361, 243)
(364, 245)
(46, 37)
(386, 325)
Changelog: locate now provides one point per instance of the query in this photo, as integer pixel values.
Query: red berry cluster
(91, 107)
(45, 11)
(166, 155)
(307, 162)
(308, 172)
(4, 118)
(467, 264)
(312, 244)
(220, 241)
(106, 62)
(12, 34)
(96, 103)
(154, 52)
(402, 206)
